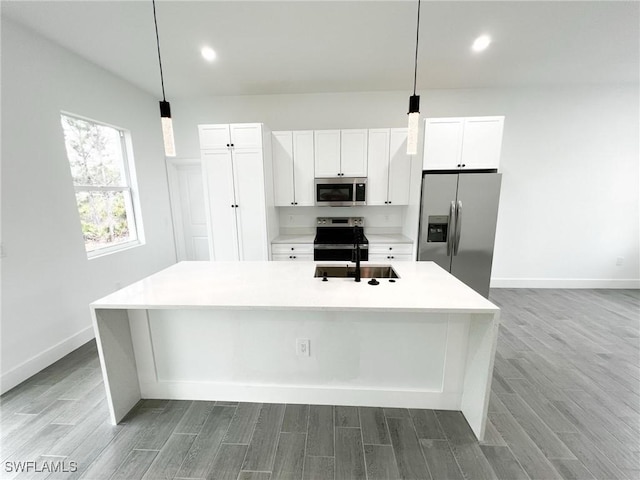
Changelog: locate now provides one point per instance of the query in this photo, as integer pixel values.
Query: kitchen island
(236, 331)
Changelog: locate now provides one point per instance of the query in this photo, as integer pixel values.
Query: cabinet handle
(292, 248)
(294, 256)
(236, 206)
(464, 164)
(228, 145)
(232, 145)
(295, 203)
(390, 248)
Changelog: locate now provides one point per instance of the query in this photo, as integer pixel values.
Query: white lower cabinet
(383, 252)
(291, 251)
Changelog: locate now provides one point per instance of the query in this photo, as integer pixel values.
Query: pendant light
(414, 103)
(165, 108)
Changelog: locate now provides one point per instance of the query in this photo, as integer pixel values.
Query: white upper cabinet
(293, 165)
(482, 142)
(389, 167)
(378, 179)
(462, 143)
(303, 168)
(340, 153)
(214, 136)
(239, 135)
(399, 167)
(353, 153)
(283, 189)
(327, 153)
(442, 143)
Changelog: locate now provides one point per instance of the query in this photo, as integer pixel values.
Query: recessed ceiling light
(481, 43)
(208, 54)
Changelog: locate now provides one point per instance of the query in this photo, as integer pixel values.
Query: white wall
(569, 202)
(47, 280)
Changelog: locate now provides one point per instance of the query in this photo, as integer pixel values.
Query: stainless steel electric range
(336, 238)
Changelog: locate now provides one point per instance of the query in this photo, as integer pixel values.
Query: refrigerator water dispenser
(437, 228)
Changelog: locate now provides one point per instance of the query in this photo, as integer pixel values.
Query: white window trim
(130, 188)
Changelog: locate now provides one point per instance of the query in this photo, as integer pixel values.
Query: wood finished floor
(565, 405)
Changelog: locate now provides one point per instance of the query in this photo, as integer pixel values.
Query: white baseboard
(564, 283)
(30, 367)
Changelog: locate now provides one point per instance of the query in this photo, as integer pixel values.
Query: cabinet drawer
(281, 257)
(380, 258)
(292, 249)
(391, 248)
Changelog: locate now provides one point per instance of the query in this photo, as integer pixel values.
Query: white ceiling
(270, 47)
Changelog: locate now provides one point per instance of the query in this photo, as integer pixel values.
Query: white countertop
(387, 238)
(372, 237)
(301, 238)
(422, 286)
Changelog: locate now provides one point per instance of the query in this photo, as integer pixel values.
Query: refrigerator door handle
(452, 209)
(458, 227)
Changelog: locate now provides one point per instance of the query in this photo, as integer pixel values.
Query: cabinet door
(282, 147)
(442, 143)
(353, 153)
(246, 135)
(214, 136)
(327, 153)
(303, 168)
(378, 167)
(399, 168)
(482, 142)
(217, 172)
(251, 212)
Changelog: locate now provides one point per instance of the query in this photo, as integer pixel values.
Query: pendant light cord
(415, 72)
(160, 59)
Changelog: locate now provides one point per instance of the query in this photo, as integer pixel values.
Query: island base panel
(406, 360)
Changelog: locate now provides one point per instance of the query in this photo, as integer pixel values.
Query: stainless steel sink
(349, 271)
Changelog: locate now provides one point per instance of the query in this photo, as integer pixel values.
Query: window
(102, 179)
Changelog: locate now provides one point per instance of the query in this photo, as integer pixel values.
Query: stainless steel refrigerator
(458, 224)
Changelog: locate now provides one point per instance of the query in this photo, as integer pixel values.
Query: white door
(282, 148)
(353, 153)
(378, 178)
(303, 168)
(399, 168)
(327, 153)
(442, 143)
(250, 198)
(482, 142)
(217, 171)
(189, 214)
(214, 136)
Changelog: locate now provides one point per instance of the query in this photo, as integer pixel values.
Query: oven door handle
(326, 246)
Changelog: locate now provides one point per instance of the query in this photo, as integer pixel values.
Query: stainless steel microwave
(341, 191)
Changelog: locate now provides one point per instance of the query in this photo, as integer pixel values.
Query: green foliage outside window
(96, 157)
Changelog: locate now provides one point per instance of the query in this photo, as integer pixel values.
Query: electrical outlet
(619, 261)
(302, 347)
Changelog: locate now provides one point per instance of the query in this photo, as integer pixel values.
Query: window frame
(130, 189)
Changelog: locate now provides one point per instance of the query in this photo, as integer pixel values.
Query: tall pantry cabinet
(236, 171)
